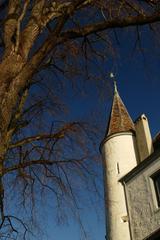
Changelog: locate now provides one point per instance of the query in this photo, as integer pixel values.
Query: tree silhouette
(40, 39)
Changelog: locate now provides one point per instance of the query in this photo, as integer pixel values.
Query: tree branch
(60, 134)
(41, 162)
(43, 15)
(19, 24)
(11, 24)
(110, 24)
(121, 22)
(33, 27)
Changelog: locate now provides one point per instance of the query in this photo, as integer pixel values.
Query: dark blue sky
(136, 67)
(137, 74)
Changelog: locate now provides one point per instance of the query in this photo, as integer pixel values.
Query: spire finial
(114, 82)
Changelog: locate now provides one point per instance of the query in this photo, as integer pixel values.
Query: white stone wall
(142, 203)
(119, 158)
(143, 137)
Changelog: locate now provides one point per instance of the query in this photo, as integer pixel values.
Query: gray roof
(142, 165)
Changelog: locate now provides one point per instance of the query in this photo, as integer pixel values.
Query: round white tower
(119, 156)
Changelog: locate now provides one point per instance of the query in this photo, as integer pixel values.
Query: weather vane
(112, 76)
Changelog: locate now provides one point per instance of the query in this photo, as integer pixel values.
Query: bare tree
(39, 38)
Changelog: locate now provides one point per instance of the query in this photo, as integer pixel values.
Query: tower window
(118, 170)
(156, 180)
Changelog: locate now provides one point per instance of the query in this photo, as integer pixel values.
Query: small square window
(156, 180)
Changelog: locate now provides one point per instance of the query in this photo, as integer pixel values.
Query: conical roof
(119, 120)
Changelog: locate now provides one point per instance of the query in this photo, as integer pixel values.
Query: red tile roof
(120, 120)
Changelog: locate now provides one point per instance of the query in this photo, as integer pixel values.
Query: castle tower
(119, 157)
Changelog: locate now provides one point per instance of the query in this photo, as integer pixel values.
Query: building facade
(131, 162)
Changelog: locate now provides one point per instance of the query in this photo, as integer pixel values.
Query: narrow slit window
(118, 170)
